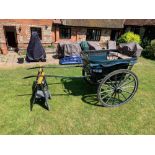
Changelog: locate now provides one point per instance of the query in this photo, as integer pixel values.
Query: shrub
(129, 37)
(153, 42)
(149, 51)
(145, 42)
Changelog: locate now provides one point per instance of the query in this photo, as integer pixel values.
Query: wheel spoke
(105, 95)
(124, 79)
(106, 91)
(110, 98)
(123, 95)
(116, 80)
(127, 87)
(114, 97)
(118, 96)
(126, 83)
(112, 84)
(107, 86)
(120, 81)
(126, 92)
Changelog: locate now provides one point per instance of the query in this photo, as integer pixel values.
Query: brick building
(15, 33)
(100, 30)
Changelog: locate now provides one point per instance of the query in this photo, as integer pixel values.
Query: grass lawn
(73, 109)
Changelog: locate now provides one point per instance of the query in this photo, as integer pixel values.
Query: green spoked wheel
(117, 88)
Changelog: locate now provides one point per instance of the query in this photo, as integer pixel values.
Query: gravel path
(11, 61)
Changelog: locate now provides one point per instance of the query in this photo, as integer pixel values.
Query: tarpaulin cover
(70, 60)
(90, 45)
(68, 49)
(74, 49)
(35, 50)
(84, 45)
(112, 45)
(130, 49)
(94, 45)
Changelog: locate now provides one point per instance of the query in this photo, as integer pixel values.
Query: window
(115, 34)
(38, 30)
(65, 32)
(93, 34)
(136, 30)
(149, 32)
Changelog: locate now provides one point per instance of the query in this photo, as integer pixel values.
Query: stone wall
(25, 34)
(50, 33)
(81, 34)
(105, 36)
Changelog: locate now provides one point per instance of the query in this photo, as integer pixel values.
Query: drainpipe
(55, 33)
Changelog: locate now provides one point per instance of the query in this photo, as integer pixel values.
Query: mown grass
(73, 109)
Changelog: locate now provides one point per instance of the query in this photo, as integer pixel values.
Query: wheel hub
(118, 90)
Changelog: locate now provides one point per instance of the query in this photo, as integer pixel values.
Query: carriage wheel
(117, 88)
(88, 79)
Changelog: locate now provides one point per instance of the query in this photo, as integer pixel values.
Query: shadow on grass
(52, 95)
(75, 87)
(91, 99)
(41, 101)
(24, 95)
(48, 84)
(79, 87)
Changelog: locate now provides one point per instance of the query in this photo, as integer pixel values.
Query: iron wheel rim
(113, 91)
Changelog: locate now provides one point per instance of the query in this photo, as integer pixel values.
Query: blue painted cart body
(99, 63)
(101, 58)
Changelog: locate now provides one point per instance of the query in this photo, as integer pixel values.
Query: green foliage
(129, 37)
(149, 51)
(153, 42)
(145, 42)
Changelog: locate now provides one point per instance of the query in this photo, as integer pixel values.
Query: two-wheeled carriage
(109, 70)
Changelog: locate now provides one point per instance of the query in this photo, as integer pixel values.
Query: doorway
(11, 37)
